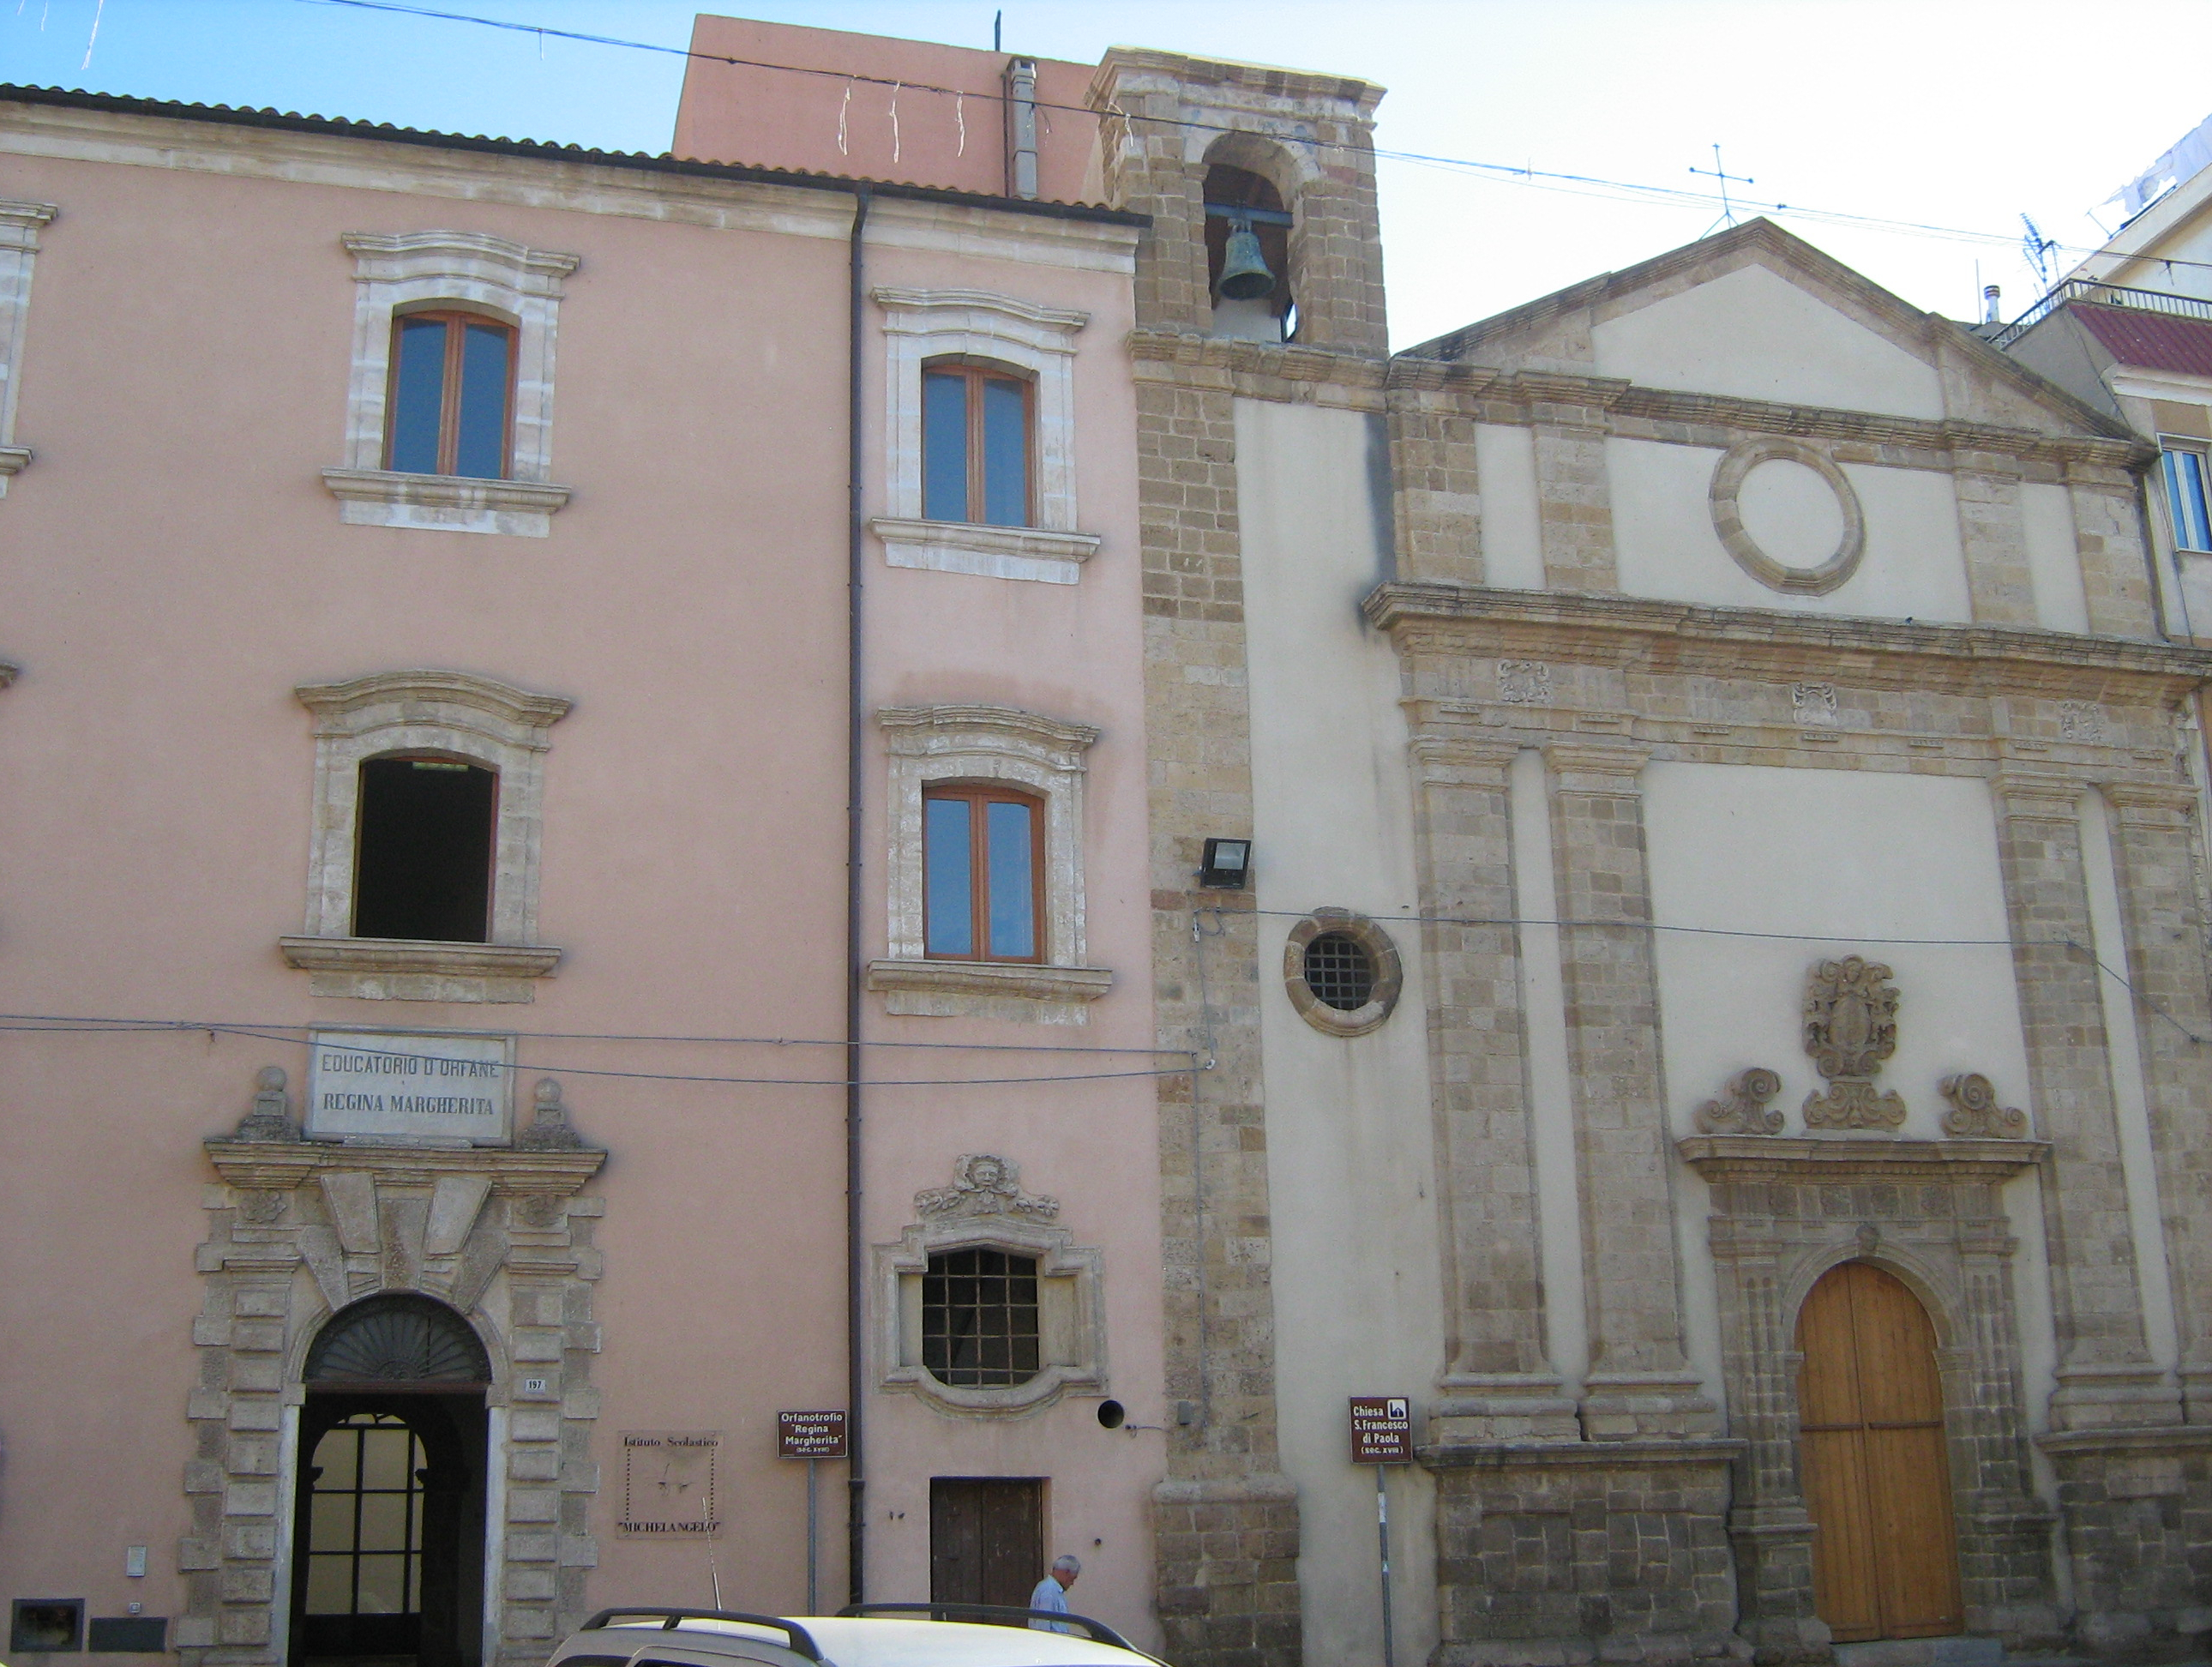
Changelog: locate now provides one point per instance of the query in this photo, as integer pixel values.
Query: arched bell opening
(389, 1517)
(1249, 255)
(1874, 1459)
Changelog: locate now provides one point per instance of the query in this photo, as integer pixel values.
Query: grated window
(979, 1318)
(1339, 971)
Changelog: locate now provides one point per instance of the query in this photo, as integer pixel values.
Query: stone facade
(298, 1232)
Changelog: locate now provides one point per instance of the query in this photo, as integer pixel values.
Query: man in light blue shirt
(1051, 1593)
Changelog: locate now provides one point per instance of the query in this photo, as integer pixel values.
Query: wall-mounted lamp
(1227, 866)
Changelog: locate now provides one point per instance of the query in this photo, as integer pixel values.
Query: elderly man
(1051, 1593)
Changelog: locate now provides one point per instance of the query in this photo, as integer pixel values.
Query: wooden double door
(1874, 1461)
(986, 1539)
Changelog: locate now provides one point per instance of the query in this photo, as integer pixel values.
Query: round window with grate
(1341, 971)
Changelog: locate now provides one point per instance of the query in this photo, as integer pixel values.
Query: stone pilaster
(1437, 510)
(1574, 495)
(2155, 851)
(1497, 1383)
(2105, 1375)
(1226, 1520)
(1994, 538)
(2108, 537)
(1639, 1384)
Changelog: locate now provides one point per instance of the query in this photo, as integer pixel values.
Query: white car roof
(887, 1641)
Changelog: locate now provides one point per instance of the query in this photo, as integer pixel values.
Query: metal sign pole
(813, 1540)
(1383, 1535)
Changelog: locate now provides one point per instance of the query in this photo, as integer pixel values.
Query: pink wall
(171, 566)
(791, 117)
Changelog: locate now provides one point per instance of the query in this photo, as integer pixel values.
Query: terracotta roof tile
(2152, 341)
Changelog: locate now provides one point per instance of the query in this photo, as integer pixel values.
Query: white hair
(1073, 1565)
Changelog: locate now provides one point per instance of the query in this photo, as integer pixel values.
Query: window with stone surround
(2185, 467)
(994, 341)
(19, 249)
(982, 873)
(980, 758)
(476, 477)
(467, 729)
(985, 1304)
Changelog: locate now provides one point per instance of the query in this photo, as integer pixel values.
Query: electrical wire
(2117, 977)
(296, 1035)
(1571, 183)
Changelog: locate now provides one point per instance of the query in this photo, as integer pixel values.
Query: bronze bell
(1244, 274)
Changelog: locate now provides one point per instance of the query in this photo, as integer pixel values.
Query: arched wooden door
(1871, 1452)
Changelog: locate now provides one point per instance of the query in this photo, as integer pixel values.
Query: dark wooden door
(1872, 1454)
(986, 1539)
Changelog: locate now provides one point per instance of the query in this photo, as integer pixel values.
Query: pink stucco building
(430, 723)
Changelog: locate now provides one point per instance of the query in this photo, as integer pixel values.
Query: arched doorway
(387, 1566)
(1871, 1456)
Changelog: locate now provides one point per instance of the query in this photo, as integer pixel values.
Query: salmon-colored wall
(171, 567)
(800, 116)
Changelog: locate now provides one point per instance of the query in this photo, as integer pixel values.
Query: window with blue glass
(2184, 498)
(983, 874)
(975, 445)
(452, 395)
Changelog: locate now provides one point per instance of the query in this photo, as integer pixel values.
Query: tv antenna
(1717, 172)
(2038, 247)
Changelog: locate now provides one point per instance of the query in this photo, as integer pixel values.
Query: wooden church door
(1872, 1456)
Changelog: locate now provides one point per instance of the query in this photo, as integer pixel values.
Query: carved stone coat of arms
(1851, 1029)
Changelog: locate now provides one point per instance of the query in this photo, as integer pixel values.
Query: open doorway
(388, 1541)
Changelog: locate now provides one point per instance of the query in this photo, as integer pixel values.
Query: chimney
(1991, 312)
(1021, 128)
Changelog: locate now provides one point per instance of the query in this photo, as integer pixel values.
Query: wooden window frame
(449, 389)
(974, 373)
(976, 796)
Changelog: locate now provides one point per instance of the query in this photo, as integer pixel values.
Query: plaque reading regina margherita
(399, 1085)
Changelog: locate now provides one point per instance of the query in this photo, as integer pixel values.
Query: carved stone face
(987, 1173)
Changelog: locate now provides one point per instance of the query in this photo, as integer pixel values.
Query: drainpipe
(856, 1508)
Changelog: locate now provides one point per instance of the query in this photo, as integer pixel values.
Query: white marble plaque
(400, 1084)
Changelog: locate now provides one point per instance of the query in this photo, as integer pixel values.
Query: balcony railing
(2103, 295)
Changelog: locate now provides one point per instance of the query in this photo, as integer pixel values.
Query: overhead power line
(1539, 179)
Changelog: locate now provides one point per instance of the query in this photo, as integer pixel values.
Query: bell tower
(1192, 143)
(1262, 264)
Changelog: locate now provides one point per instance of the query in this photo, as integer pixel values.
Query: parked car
(872, 1635)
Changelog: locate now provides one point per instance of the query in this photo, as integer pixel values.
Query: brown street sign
(810, 1434)
(1382, 1429)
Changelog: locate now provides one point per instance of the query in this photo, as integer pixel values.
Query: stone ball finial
(548, 1129)
(270, 1115)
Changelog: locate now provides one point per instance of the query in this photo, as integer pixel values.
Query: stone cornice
(1848, 1159)
(1773, 646)
(2131, 1438)
(282, 1165)
(1928, 336)
(1021, 980)
(394, 955)
(1141, 69)
(333, 702)
(1604, 1455)
(911, 729)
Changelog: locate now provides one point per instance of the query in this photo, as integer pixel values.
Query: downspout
(856, 1509)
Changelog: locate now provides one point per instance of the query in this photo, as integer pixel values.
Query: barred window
(979, 1318)
(1339, 971)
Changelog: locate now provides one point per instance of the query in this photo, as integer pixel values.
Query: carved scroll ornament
(1851, 1029)
(1742, 1108)
(1975, 1113)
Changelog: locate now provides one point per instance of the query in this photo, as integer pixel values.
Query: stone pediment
(1756, 313)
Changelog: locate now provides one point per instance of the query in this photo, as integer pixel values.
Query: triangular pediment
(1757, 313)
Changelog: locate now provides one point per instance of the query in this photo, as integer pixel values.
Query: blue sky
(1956, 114)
